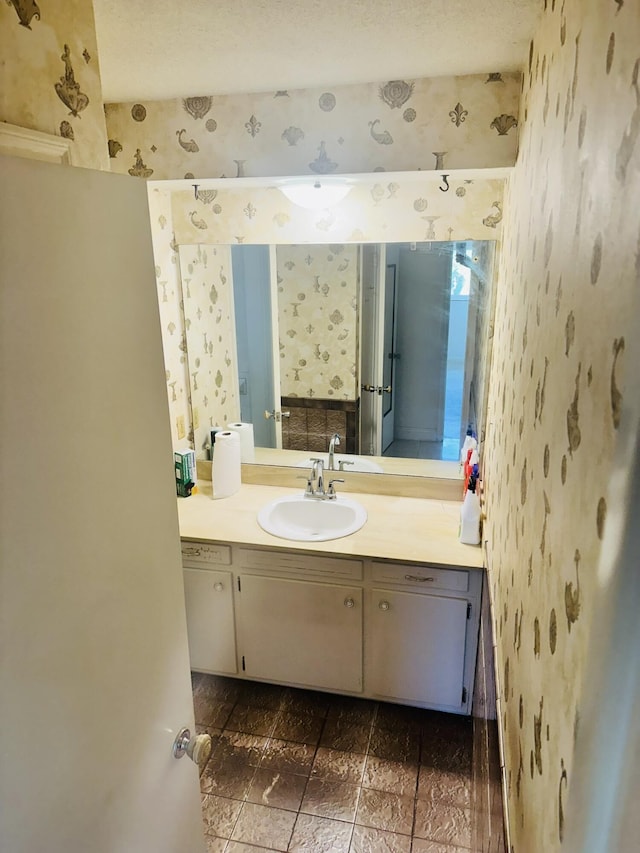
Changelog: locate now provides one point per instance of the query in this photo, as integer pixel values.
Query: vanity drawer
(206, 552)
(425, 577)
(304, 565)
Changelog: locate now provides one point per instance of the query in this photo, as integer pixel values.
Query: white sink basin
(311, 520)
(357, 463)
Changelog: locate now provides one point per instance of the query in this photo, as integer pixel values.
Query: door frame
(389, 353)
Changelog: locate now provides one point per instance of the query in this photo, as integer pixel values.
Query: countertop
(397, 528)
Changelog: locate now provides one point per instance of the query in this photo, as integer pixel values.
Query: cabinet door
(417, 647)
(301, 633)
(210, 622)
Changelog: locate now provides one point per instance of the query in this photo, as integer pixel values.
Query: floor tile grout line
(327, 713)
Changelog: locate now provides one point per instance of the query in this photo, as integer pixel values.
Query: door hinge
(240, 588)
(464, 691)
(244, 668)
(469, 610)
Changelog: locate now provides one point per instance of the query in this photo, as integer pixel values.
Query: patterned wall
(50, 74)
(165, 253)
(568, 268)
(318, 320)
(399, 209)
(207, 293)
(400, 125)
(487, 261)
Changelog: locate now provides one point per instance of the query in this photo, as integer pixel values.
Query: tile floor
(296, 770)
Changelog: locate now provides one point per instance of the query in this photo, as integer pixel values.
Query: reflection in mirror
(384, 345)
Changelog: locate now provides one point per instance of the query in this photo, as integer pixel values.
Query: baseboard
(499, 715)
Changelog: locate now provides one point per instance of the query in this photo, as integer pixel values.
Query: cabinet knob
(384, 605)
(218, 587)
(349, 602)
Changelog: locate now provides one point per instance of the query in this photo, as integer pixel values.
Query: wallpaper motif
(174, 343)
(398, 209)
(51, 82)
(207, 292)
(318, 320)
(26, 11)
(568, 268)
(400, 125)
(68, 90)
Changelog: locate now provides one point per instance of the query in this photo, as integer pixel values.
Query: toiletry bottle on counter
(470, 443)
(470, 515)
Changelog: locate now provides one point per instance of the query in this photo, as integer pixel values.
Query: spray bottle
(470, 514)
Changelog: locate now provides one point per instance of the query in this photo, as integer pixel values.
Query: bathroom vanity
(390, 612)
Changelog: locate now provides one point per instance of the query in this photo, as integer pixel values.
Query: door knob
(276, 415)
(198, 748)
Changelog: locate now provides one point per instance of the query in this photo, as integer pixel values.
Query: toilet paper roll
(225, 469)
(245, 431)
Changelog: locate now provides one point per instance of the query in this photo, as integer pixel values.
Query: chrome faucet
(333, 442)
(315, 483)
(316, 480)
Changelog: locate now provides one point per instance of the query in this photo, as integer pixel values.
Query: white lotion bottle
(470, 516)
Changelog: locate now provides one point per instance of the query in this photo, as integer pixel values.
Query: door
(255, 339)
(210, 622)
(417, 647)
(424, 289)
(301, 632)
(371, 337)
(390, 356)
(94, 666)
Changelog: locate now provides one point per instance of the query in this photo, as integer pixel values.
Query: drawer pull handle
(218, 587)
(191, 552)
(384, 605)
(349, 602)
(418, 578)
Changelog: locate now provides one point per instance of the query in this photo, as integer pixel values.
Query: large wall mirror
(384, 344)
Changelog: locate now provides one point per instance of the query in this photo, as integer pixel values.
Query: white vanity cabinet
(301, 632)
(209, 604)
(421, 636)
(393, 631)
(300, 620)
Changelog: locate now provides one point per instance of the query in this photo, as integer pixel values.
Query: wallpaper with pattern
(318, 321)
(408, 208)
(207, 293)
(486, 257)
(402, 125)
(50, 74)
(568, 268)
(398, 209)
(167, 262)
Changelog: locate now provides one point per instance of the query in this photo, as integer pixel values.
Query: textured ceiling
(178, 48)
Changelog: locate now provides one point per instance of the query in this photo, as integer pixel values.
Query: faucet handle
(309, 488)
(342, 463)
(331, 492)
